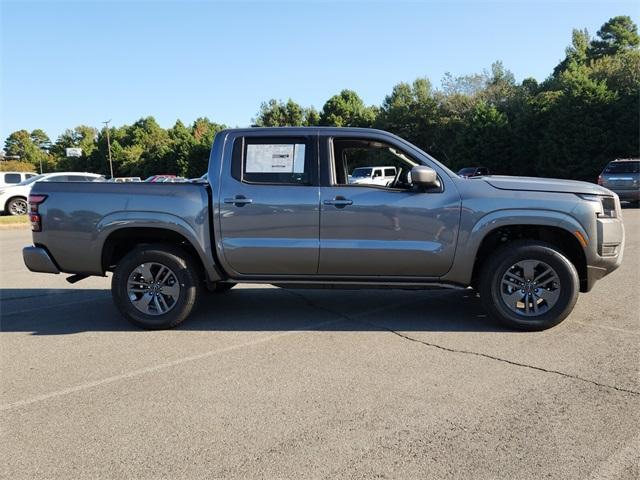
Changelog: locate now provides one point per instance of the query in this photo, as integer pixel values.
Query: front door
(269, 207)
(391, 230)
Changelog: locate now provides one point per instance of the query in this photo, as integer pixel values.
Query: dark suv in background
(623, 177)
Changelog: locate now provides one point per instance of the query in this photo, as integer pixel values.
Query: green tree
(347, 109)
(276, 113)
(411, 111)
(31, 148)
(576, 53)
(203, 131)
(83, 137)
(616, 35)
(41, 140)
(15, 166)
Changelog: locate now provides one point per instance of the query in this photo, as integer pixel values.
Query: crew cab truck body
(278, 208)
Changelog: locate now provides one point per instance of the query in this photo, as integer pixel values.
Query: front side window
(363, 162)
(272, 161)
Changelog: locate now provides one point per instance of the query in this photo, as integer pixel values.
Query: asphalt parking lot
(268, 383)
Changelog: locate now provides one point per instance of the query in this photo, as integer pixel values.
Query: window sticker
(283, 158)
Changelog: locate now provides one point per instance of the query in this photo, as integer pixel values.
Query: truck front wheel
(529, 285)
(156, 286)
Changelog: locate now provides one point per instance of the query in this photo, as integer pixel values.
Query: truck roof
(280, 130)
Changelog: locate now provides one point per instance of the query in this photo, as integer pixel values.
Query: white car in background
(13, 178)
(372, 175)
(13, 199)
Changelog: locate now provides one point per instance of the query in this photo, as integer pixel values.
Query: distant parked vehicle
(623, 177)
(13, 178)
(158, 178)
(174, 180)
(13, 199)
(473, 172)
(373, 175)
(202, 179)
(125, 179)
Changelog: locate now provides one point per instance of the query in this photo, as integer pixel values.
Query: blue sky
(71, 63)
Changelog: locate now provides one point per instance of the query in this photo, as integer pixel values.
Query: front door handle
(339, 202)
(238, 200)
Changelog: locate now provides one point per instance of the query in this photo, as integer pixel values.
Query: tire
(222, 287)
(17, 206)
(176, 292)
(531, 306)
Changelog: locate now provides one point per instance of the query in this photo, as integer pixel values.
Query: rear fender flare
(199, 239)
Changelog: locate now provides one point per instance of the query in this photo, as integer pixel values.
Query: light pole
(109, 146)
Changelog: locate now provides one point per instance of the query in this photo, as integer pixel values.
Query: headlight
(607, 205)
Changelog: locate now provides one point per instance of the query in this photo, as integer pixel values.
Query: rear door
(269, 206)
(379, 230)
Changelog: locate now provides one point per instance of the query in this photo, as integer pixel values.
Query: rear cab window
(274, 161)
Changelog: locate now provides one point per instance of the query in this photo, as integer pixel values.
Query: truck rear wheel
(156, 286)
(529, 285)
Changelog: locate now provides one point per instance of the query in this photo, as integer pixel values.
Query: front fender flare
(469, 240)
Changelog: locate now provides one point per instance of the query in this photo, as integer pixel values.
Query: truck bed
(78, 217)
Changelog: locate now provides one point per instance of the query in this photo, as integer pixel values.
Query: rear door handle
(238, 200)
(339, 202)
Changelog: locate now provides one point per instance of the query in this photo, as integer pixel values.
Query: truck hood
(536, 184)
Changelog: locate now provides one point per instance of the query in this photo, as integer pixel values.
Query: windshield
(361, 172)
(623, 167)
(32, 179)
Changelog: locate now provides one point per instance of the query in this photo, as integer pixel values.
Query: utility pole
(109, 146)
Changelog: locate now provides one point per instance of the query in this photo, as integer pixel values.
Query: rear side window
(12, 178)
(287, 161)
(623, 167)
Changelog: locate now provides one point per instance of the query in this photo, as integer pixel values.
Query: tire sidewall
(186, 275)
(567, 274)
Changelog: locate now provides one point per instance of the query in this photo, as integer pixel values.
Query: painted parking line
(192, 358)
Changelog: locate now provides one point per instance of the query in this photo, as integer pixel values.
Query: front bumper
(609, 251)
(37, 259)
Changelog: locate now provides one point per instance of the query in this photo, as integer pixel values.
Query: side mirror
(425, 177)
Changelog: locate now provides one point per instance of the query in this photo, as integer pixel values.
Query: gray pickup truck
(277, 207)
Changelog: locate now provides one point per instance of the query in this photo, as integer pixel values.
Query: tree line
(570, 125)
